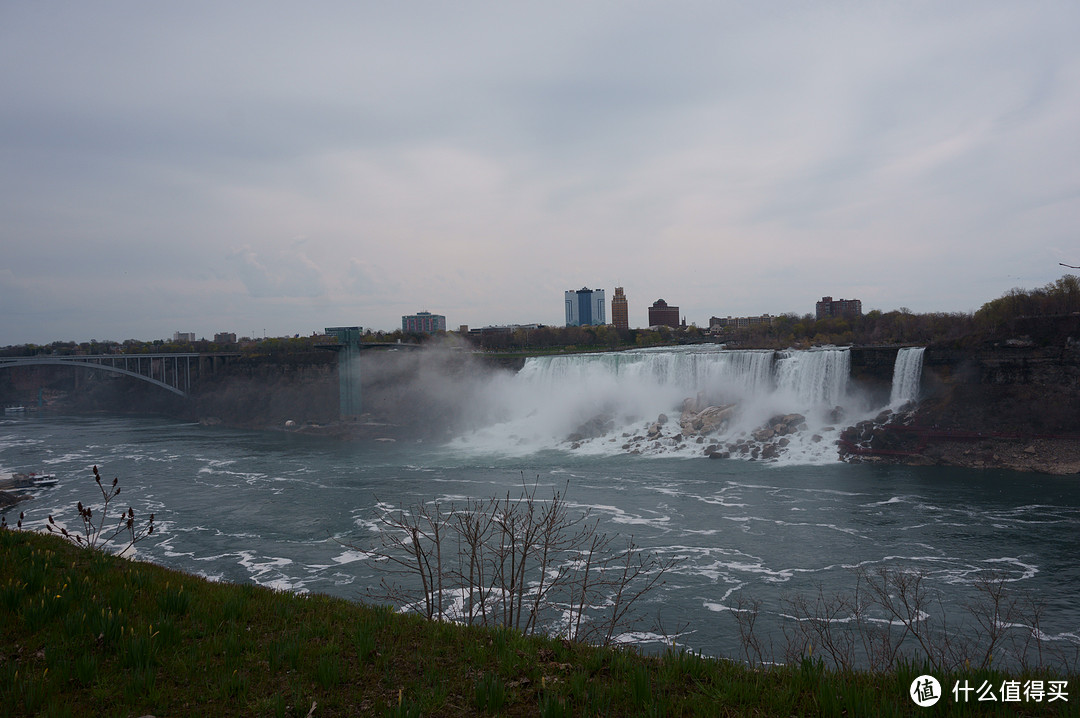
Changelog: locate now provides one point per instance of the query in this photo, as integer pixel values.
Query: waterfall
(818, 377)
(745, 372)
(907, 375)
(657, 401)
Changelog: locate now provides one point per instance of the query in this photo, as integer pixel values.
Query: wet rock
(705, 421)
(594, 427)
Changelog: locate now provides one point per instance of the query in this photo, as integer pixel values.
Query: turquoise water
(275, 508)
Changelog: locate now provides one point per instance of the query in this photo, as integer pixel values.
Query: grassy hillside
(83, 633)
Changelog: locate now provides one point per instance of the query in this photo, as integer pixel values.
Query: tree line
(1046, 314)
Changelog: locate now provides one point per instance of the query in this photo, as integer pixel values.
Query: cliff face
(1011, 407)
(1003, 390)
(268, 391)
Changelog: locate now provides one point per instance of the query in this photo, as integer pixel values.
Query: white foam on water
(352, 557)
(268, 571)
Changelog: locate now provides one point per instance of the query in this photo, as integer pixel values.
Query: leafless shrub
(819, 623)
(97, 535)
(746, 613)
(894, 615)
(523, 563)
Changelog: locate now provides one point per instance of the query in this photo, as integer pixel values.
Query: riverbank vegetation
(87, 633)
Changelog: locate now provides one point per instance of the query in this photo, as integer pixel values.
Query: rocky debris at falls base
(894, 436)
(706, 426)
(872, 439)
(766, 442)
(899, 438)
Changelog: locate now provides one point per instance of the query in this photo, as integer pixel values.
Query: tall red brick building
(620, 310)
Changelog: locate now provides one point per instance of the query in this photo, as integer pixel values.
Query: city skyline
(273, 168)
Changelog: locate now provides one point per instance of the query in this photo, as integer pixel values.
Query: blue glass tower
(585, 307)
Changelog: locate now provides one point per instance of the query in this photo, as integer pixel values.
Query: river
(294, 511)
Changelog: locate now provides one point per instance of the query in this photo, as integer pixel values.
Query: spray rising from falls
(779, 405)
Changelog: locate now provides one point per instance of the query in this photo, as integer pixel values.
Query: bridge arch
(180, 387)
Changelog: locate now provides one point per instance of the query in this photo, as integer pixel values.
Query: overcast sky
(281, 167)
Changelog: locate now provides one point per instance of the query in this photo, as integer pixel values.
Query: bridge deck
(171, 372)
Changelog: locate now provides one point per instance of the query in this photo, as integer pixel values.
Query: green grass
(82, 633)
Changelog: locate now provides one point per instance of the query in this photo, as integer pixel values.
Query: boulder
(594, 427)
(705, 421)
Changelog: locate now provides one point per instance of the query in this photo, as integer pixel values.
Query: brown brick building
(620, 310)
(661, 315)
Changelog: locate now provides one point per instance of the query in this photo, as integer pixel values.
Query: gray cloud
(477, 160)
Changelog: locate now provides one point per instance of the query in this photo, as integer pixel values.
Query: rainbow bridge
(172, 372)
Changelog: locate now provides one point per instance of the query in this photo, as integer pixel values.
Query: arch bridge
(172, 372)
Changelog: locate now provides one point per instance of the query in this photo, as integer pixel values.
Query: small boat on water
(43, 479)
(32, 480)
(14, 409)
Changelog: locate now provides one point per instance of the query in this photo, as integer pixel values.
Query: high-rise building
(661, 315)
(423, 323)
(829, 307)
(620, 310)
(585, 307)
